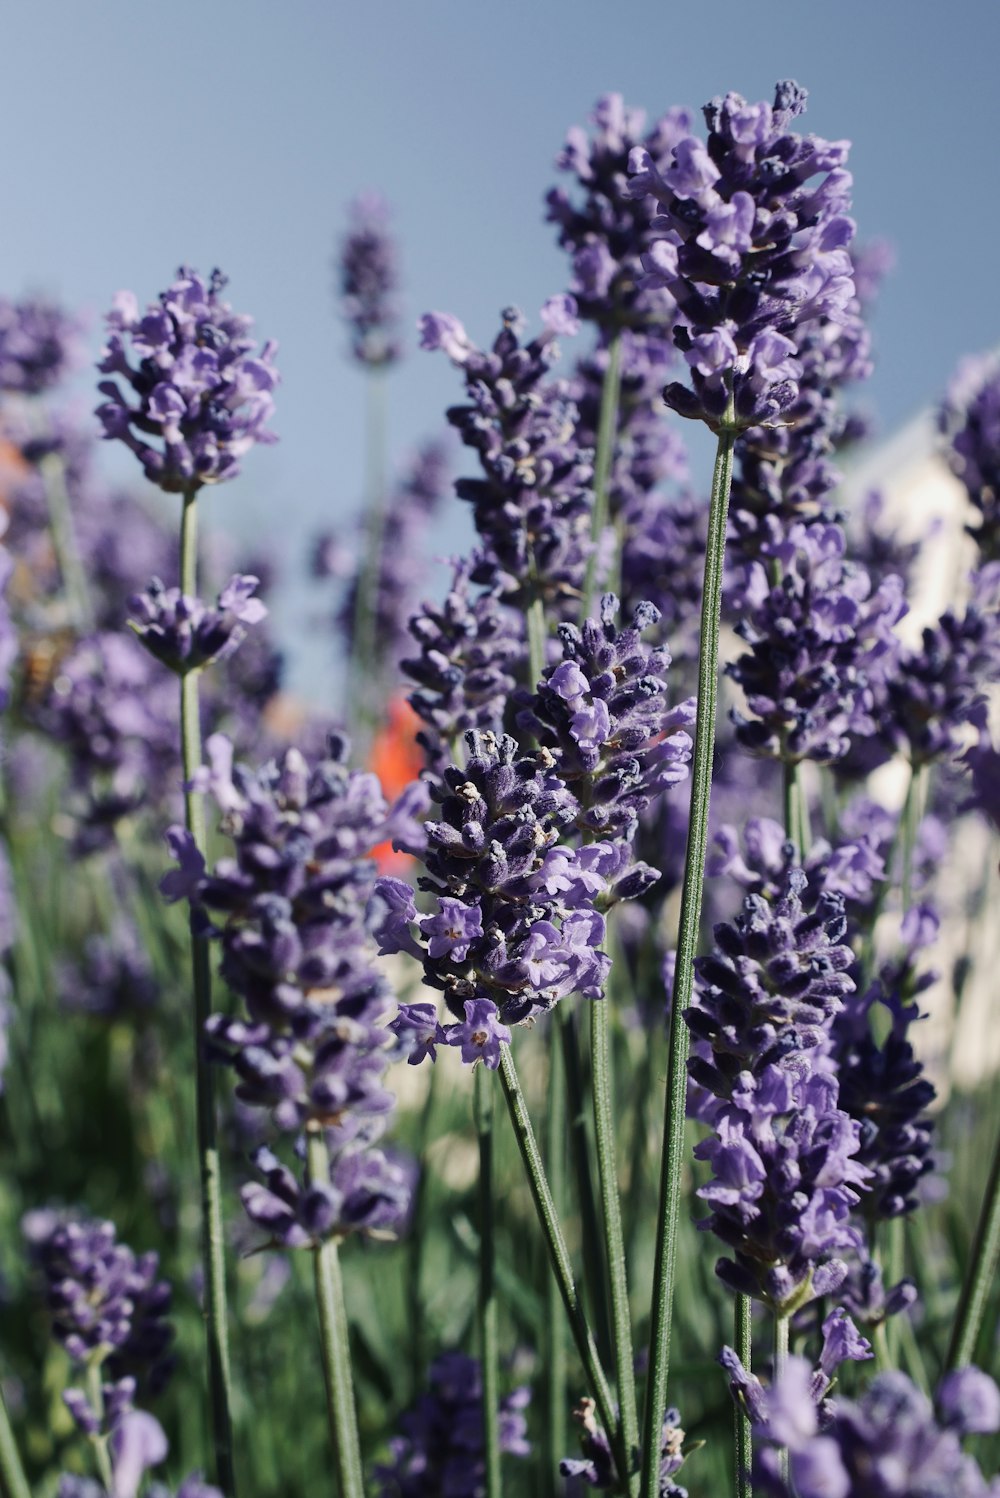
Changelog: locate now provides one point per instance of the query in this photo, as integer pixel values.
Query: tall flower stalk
(13, 1482)
(202, 396)
(668, 1213)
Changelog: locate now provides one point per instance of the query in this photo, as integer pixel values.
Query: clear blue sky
(233, 133)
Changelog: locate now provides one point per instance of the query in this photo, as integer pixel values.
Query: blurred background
(236, 134)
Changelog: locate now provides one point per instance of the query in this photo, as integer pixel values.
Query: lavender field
(561, 1054)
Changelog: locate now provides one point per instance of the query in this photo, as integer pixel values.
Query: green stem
(53, 472)
(364, 662)
(99, 1442)
(742, 1426)
(607, 1167)
(594, 1277)
(607, 426)
(909, 827)
(555, 1243)
(796, 809)
(13, 1483)
(487, 1306)
(537, 632)
(335, 1342)
(687, 942)
(981, 1275)
(212, 1237)
(780, 1363)
(555, 1363)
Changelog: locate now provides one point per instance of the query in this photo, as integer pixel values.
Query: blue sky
(233, 133)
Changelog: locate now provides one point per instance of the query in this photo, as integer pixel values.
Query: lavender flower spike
(39, 343)
(200, 388)
(369, 279)
(184, 633)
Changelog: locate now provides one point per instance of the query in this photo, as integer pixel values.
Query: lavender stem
(607, 424)
(334, 1340)
(742, 1428)
(67, 552)
(99, 1442)
(13, 1483)
(607, 1166)
(364, 662)
(213, 1241)
(555, 1348)
(487, 1305)
(982, 1273)
(562, 1266)
(687, 942)
(781, 1328)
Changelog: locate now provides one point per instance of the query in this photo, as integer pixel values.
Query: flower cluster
(107, 1306)
(289, 912)
(515, 924)
(596, 1469)
(38, 345)
(883, 1084)
(892, 1440)
(821, 646)
(184, 633)
(369, 279)
(784, 1154)
(136, 1443)
(201, 389)
(441, 1449)
(113, 977)
(470, 647)
(970, 420)
(532, 504)
(602, 226)
(753, 250)
(601, 710)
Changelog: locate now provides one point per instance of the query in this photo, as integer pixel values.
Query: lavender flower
(113, 978)
(441, 1449)
(202, 390)
(602, 226)
(821, 647)
(602, 712)
(137, 1444)
(39, 343)
(754, 251)
(105, 1302)
(522, 912)
(184, 633)
(532, 504)
(597, 1467)
(290, 913)
(369, 280)
(470, 646)
(886, 1443)
(970, 421)
(883, 1084)
(841, 1343)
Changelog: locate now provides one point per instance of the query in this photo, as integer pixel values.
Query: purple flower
(970, 420)
(369, 280)
(184, 633)
(417, 1029)
(597, 1467)
(39, 344)
(481, 1034)
(201, 388)
(440, 1453)
(602, 712)
(452, 929)
(886, 1442)
(751, 249)
(290, 910)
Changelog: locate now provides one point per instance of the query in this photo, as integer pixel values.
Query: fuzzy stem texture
(335, 1343)
(13, 1483)
(742, 1428)
(687, 942)
(562, 1266)
(67, 552)
(981, 1275)
(487, 1305)
(213, 1240)
(607, 1166)
(555, 1371)
(95, 1397)
(607, 425)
